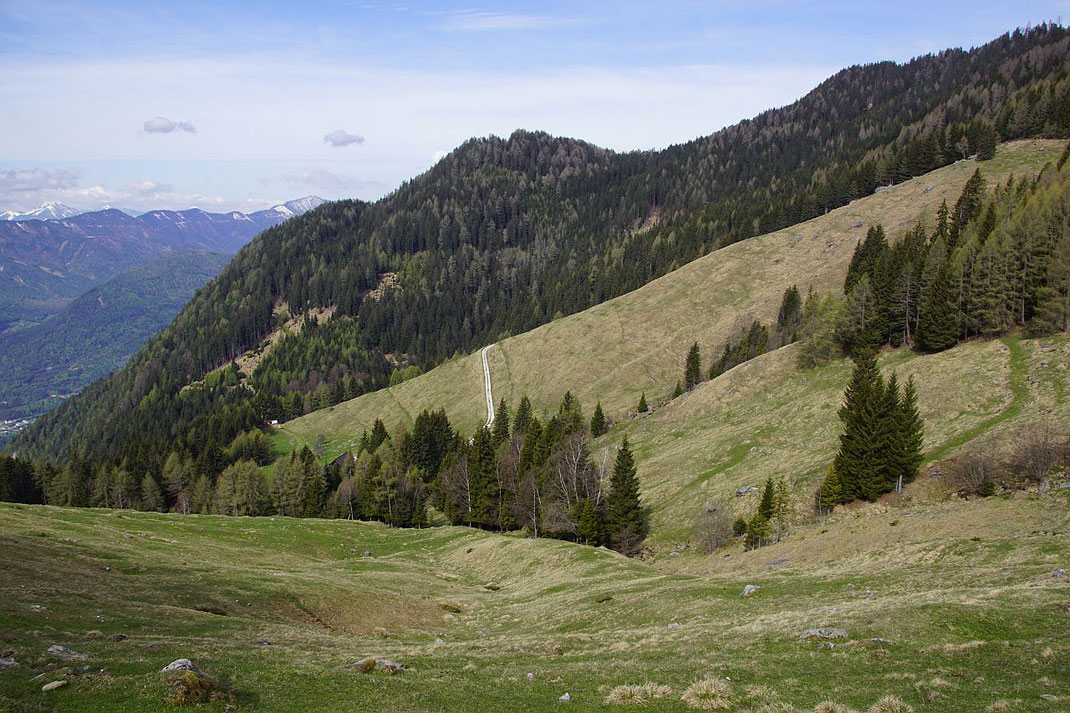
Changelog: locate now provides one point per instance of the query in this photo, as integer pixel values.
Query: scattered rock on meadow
(53, 686)
(389, 666)
(1058, 574)
(8, 663)
(116, 638)
(181, 665)
(530, 677)
(364, 665)
(823, 632)
(63, 652)
(749, 590)
(565, 698)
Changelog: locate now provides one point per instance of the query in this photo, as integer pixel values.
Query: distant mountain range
(44, 264)
(96, 333)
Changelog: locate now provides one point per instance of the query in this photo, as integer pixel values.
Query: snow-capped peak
(50, 210)
(303, 205)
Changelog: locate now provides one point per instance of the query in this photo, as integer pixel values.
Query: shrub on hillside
(713, 528)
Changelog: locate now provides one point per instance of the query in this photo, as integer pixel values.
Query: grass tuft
(709, 694)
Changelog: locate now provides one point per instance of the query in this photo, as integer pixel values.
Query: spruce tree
(765, 507)
(589, 523)
(910, 431)
(860, 413)
(642, 407)
(500, 433)
(938, 327)
(523, 417)
(598, 421)
(151, 495)
(678, 391)
(693, 368)
(627, 521)
(830, 493)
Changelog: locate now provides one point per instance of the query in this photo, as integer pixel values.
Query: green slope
(637, 342)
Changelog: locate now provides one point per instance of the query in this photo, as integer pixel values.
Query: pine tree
(598, 421)
(938, 327)
(678, 391)
(781, 508)
(766, 505)
(500, 433)
(693, 368)
(589, 523)
(627, 521)
(910, 434)
(151, 495)
(523, 417)
(378, 435)
(860, 412)
(759, 532)
(642, 407)
(831, 492)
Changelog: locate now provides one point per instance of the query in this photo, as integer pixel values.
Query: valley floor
(954, 618)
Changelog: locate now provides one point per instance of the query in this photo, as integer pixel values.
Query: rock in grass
(389, 666)
(7, 663)
(823, 633)
(749, 590)
(63, 652)
(565, 698)
(53, 686)
(116, 638)
(1058, 574)
(181, 665)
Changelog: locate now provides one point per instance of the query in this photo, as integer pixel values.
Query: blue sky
(238, 105)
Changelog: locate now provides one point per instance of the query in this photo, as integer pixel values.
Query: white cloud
(477, 21)
(36, 179)
(341, 138)
(323, 180)
(162, 125)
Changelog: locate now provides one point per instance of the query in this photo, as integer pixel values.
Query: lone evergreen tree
(627, 521)
(598, 421)
(693, 368)
(642, 408)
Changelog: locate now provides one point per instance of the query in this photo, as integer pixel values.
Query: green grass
(308, 588)
(1020, 392)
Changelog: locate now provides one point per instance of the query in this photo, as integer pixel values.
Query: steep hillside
(504, 235)
(280, 610)
(636, 343)
(97, 332)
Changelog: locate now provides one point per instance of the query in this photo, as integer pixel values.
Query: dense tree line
(523, 472)
(997, 261)
(503, 235)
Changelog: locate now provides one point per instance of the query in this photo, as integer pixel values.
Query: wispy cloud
(36, 179)
(162, 125)
(323, 180)
(342, 138)
(478, 21)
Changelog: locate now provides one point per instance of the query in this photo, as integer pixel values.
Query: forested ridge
(504, 234)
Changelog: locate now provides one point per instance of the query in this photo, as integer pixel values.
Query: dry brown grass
(709, 694)
(638, 695)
